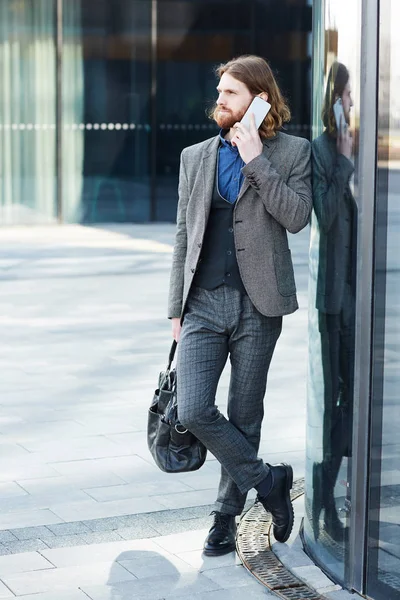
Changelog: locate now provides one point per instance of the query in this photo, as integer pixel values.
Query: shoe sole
(219, 552)
(289, 485)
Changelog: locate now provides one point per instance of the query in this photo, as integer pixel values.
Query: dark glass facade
(352, 522)
(118, 89)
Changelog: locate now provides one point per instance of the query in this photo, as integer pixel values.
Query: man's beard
(226, 120)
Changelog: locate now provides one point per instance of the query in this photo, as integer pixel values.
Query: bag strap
(171, 354)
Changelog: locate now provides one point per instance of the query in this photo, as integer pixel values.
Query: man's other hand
(176, 328)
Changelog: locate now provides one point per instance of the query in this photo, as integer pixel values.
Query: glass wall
(384, 509)
(195, 36)
(107, 94)
(27, 111)
(106, 105)
(332, 285)
(352, 523)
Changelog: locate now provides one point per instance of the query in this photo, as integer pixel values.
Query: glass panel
(332, 283)
(384, 533)
(192, 38)
(106, 77)
(27, 111)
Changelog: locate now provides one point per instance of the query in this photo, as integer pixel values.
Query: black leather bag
(173, 448)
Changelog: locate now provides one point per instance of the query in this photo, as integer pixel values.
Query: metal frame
(376, 586)
(364, 302)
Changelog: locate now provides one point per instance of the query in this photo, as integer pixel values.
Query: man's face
(347, 102)
(233, 100)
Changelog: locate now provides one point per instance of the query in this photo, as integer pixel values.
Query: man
(231, 282)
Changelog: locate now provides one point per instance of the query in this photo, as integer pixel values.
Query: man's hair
(337, 80)
(257, 75)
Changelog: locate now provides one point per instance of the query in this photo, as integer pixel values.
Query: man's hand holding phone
(247, 140)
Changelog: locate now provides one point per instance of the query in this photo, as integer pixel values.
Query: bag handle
(171, 354)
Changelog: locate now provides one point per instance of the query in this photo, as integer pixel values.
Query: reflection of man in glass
(336, 214)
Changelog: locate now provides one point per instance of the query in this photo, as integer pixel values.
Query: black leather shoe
(222, 535)
(278, 502)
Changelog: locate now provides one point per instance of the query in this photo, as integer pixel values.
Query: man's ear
(264, 96)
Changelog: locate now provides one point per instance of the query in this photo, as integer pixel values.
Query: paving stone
(131, 490)
(65, 541)
(5, 592)
(10, 489)
(188, 499)
(4, 550)
(181, 526)
(68, 528)
(198, 560)
(23, 563)
(52, 580)
(100, 553)
(253, 591)
(106, 524)
(29, 518)
(313, 576)
(144, 567)
(29, 533)
(7, 536)
(168, 516)
(100, 537)
(182, 542)
(25, 546)
(138, 532)
(230, 577)
(339, 595)
(168, 586)
(70, 595)
(98, 510)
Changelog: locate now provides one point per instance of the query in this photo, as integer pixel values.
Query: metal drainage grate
(254, 549)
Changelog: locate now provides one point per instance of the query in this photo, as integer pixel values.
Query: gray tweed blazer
(275, 196)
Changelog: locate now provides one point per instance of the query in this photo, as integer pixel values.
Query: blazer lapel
(208, 166)
(268, 150)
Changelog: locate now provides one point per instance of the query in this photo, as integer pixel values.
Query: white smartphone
(339, 114)
(260, 108)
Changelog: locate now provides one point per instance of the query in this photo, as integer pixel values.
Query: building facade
(98, 98)
(352, 523)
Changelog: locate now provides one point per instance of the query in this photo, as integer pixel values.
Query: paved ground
(84, 335)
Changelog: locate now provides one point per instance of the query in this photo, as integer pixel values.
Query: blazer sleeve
(289, 203)
(329, 185)
(180, 247)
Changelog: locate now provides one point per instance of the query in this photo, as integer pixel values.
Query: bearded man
(232, 281)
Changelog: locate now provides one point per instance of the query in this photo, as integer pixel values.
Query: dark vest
(218, 264)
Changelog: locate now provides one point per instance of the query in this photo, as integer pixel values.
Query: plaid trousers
(220, 323)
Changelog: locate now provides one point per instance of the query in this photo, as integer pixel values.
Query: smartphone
(260, 108)
(339, 115)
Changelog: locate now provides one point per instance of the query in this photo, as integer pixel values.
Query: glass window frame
(367, 166)
(374, 586)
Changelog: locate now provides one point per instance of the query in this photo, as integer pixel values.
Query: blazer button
(199, 245)
(193, 270)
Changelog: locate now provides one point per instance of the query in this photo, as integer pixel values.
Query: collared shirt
(230, 164)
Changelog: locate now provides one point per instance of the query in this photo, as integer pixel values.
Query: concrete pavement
(84, 335)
